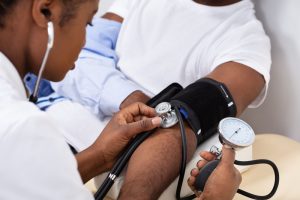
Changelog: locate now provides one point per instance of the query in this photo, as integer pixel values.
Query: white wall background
(281, 111)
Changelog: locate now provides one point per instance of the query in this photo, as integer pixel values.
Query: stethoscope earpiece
(50, 34)
(50, 30)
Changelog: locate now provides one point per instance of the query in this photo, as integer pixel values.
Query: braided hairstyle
(70, 8)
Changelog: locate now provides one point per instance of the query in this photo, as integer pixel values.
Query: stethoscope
(34, 96)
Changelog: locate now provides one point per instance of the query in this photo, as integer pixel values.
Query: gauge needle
(235, 132)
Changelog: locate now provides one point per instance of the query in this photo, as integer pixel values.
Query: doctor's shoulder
(21, 118)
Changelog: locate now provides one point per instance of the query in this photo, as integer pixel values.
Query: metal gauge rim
(227, 140)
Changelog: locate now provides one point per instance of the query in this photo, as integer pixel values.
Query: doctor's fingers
(228, 156)
(136, 111)
(134, 128)
(194, 172)
(208, 156)
(191, 181)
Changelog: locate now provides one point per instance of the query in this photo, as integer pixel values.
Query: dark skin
(216, 2)
(27, 45)
(224, 173)
(24, 40)
(125, 125)
(244, 83)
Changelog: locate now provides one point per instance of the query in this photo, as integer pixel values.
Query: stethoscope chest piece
(167, 114)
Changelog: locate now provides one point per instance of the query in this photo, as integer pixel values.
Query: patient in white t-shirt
(165, 41)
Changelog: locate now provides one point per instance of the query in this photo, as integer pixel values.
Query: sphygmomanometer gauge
(236, 133)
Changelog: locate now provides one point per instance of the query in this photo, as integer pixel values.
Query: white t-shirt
(36, 162)
(160, 42)
(165, 41)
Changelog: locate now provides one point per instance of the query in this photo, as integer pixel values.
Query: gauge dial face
(235, 132)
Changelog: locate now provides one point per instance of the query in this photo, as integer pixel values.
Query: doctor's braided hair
(70, 8)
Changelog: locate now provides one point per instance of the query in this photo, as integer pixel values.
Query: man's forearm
(160, 154)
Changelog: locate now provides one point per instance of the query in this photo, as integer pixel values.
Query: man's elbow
(244, 83)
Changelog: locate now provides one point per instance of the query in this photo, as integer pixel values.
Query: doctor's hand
(123, 127)
(224, 181)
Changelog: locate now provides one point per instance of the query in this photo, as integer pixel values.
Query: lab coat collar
(9, 73)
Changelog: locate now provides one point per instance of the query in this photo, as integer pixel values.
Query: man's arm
(243, 82)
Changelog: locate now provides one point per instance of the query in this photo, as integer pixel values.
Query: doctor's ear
(44, 11)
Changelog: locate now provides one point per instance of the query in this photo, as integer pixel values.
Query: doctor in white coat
(36, 162)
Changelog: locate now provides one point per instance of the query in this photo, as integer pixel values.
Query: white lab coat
(35, 161)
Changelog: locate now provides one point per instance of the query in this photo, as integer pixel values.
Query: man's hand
(136, 96)
(113, 17)
(224, 180)
(123, 127)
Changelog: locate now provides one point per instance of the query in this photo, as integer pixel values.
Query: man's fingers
(135, 128)
(228, 155)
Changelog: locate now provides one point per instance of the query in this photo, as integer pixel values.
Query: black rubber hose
(183, 154)
(206, 171)
(119, 166)
(276, 182)
(164, 95)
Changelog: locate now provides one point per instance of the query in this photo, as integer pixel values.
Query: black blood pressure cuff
(203, 104)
